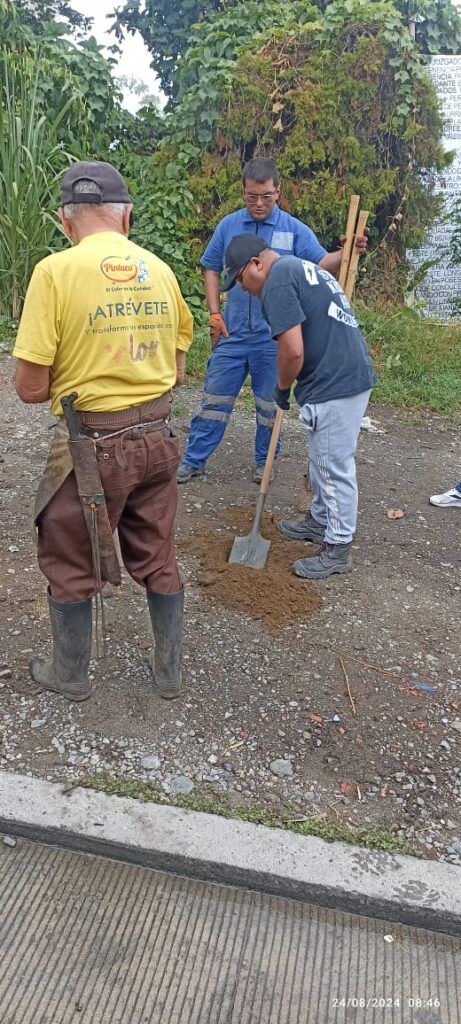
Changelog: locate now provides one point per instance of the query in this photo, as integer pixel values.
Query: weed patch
(286, 817)
(418, 360)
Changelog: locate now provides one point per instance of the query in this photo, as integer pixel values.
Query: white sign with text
(442, 283)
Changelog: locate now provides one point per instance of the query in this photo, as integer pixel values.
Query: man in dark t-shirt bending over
(321, 347)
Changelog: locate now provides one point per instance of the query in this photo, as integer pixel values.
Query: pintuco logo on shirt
(122, 270)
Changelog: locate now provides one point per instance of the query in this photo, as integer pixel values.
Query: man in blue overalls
(241, 339)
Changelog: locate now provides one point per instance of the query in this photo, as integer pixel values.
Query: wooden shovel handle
(271, 453)
(350, 233)
(352, 272)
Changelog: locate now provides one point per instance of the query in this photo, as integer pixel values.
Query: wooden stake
(352, 271)
(350, 235)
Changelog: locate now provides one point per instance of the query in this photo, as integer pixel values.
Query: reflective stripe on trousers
(227, 370)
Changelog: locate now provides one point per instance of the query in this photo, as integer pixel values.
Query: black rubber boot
(302, 529)
(167, 614)
(67, 672)
(333, 558)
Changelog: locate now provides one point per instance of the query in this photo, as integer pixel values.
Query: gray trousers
(333, 429)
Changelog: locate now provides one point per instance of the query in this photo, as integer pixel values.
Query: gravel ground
(272, 682)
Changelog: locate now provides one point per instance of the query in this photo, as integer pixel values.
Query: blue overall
(250, 348)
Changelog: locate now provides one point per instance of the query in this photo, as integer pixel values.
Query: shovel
(254, 549)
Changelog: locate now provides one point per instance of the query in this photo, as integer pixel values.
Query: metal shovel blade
(251, 550)
(254, 549)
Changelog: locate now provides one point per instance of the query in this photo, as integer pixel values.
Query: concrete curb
(426, 894)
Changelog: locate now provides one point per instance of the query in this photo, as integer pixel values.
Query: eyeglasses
(265, 197)
(239, 276)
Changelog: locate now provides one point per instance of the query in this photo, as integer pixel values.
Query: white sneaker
(452, 497)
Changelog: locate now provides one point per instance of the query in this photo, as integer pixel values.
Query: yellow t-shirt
(106, 316)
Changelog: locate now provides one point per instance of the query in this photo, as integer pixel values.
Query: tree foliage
(437, 24)
(42, 15)
(166, 216)
(336, 92)
(166, 27)
(208, 69)
(341, 101)
(67, 66)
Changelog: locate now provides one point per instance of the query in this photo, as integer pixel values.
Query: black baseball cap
(93, 182)
(238, 253)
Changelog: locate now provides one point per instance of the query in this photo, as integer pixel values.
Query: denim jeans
(228, 367)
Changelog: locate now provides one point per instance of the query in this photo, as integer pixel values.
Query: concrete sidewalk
(112, 938)
(407, 890)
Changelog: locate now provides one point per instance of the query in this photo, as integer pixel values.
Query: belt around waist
(158, 408)
(127, 433)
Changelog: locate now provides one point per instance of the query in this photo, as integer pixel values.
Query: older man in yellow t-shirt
(106, 319)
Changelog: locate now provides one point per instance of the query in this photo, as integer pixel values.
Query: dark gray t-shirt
(336, 360)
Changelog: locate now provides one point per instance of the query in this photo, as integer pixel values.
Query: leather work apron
(57, 469)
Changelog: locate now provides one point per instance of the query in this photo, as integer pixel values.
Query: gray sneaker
(258, 471)
(302, 529)
(186, 471)
(333, 558)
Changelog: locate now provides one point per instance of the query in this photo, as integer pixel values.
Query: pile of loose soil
(271, 595)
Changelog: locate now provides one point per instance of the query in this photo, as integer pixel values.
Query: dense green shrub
(165, 213)
(339, 98)
(343, 108)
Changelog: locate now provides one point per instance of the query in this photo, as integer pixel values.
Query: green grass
(177, 409)
(7, 335)
(199, 352)
(211, 803)
(418, 360)
(31, 164)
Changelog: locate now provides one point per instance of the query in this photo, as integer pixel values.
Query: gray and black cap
(239, 252)
(93, 182)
